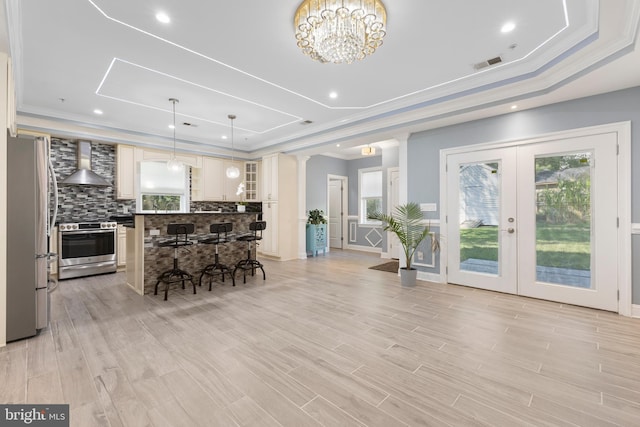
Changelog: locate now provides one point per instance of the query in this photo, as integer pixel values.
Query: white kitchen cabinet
(269, 243)
(252, 181)
(211, 176)
(127, 159)
(270, 170)
(122, 246)
(210, 182)
(280, 206)
(125, 172)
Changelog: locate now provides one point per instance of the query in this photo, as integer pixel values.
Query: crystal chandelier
(232, 171)
(340, 30)
(174, 164)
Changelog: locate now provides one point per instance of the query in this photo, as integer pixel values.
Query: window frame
(184, 205)
(362, 218)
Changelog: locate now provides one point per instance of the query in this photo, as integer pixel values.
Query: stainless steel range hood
(84, 175)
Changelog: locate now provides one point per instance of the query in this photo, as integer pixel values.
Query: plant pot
(408, 277)
(241, 208)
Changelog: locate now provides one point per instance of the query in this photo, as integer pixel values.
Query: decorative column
(302, 206)
(403, 191)
(403, 194)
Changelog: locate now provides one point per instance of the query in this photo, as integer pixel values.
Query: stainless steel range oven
(86, 248)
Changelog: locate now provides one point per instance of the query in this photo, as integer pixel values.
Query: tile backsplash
(83, 202)
(223, 206)
(88, 202)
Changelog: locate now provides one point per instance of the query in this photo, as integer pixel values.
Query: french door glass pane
(563, 219)
(479, 217)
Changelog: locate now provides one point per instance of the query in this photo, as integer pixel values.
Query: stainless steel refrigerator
(30, 219)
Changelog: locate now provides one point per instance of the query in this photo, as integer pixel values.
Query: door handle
(511, 230)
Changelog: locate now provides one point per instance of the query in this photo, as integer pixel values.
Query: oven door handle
(88, 231)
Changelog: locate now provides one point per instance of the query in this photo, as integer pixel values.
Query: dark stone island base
(148, 260)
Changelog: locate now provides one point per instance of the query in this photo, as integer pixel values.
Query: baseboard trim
(635, 310)
(430, 277)
(364, 249)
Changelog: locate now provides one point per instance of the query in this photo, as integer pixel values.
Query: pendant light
(174, 165)
(368, 151)
(232, 171)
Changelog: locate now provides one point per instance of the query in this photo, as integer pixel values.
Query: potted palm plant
(406, 223)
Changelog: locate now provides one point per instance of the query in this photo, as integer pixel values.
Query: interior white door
(538, 220)
(567, 207)
(394, 186)
(481, 213)
(335, 213)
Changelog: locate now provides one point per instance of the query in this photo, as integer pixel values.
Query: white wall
(3, 199)
(424, 147)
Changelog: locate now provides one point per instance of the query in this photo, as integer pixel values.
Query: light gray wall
(635, 273)
(318, 167)
(391, 157)
(423, 149)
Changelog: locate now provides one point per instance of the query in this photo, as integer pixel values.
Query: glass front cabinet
(251, 181)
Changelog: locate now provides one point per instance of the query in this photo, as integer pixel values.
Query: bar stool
(175, 275)
(251, 263)
(220, 237)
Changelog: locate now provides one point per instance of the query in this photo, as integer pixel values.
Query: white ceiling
(230, 57)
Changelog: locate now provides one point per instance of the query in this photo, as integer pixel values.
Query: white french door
(482, 246)
(537, 220)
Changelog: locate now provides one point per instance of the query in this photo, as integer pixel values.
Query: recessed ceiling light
(171, 127)
(337, 145)
(513, 107)
(224, 136)
(163, 17)
(97, 111)
(508, 27)
(333, 95)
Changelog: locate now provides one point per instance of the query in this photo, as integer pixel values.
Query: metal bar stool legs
(176, 274)
(217, 268)
(251, 263)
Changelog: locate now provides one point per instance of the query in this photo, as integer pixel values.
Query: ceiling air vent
(487, 63)
(306, 122)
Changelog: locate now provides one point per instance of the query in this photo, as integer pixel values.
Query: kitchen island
(146, 260)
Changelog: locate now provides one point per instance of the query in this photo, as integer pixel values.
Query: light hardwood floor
(325, 341)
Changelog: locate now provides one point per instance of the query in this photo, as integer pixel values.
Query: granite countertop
(201, 213)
